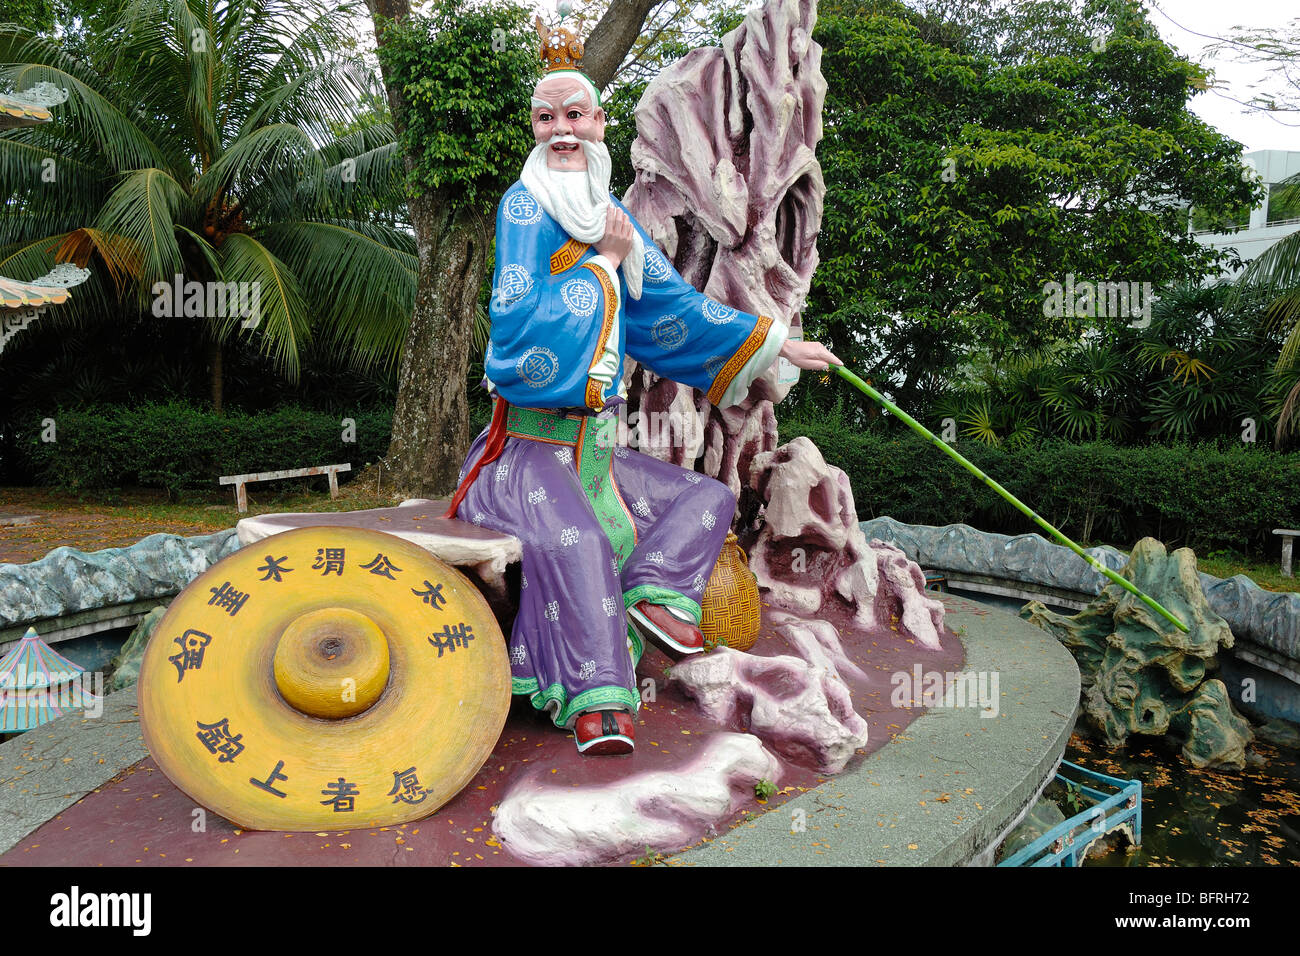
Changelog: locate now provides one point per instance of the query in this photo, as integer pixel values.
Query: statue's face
(569, 114)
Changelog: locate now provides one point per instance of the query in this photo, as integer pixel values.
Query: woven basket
(729, 610)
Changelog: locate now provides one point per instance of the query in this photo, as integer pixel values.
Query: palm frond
(121, 139)
(282, 146)
(978, 423)
(362, 279)
(1277, 273)
(281, 324)
(356, 184)
(143, 212)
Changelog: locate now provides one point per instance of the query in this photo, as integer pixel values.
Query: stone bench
(1288, 539)
(240, 481)
(481, 554)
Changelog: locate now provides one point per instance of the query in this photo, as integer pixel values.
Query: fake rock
(549, 825)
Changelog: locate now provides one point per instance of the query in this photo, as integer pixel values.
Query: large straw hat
(326, 677)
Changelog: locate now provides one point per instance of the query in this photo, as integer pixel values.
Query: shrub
(1205, 496)
(177, 446)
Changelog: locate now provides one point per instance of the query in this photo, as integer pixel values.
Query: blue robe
(603, 527)
(560, 329)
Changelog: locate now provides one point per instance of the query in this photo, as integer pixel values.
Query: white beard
(579, 200)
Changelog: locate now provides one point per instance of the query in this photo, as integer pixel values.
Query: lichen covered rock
(126, 663)
(1140, 673)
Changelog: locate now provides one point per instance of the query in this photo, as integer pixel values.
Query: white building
(1263, 230)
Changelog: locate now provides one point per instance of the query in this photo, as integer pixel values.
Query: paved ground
(47, 770)
(940, 788)
(53, 519)
(950, 785)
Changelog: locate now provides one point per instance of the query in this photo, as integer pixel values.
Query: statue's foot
(604, 732)
(672, 635)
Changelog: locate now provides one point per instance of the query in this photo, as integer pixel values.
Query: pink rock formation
(810, 554)
(728, 183)
(817, 642)
(550, 825)
(799, 706)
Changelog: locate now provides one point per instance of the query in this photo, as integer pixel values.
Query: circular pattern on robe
(668, 332)
(656, 266)
(717, 313)
(537, 367)
(579, 297)
(300, 610)
(522, 209)
(714, 365)
(515, 284)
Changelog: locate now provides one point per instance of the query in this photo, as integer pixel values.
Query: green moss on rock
(1142, 675)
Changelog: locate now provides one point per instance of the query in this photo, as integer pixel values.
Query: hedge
(177, 446)
(1205, 496)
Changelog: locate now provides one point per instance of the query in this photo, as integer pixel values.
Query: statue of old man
(617, 546)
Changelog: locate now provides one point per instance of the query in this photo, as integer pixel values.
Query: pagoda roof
(49, 289)
(37, 684)
(30, 107)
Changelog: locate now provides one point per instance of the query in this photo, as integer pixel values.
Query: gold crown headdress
(562, 51)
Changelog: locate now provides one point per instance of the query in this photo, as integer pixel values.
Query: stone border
(1270, 619)
(889, 809)
(68, 582)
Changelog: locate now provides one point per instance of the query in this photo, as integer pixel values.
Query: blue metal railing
(1067, 843)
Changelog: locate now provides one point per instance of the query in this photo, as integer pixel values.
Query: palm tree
(1277, 274)
(1196, 371)
(217, 140)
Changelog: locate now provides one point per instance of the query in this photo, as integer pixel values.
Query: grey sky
(1222, 18)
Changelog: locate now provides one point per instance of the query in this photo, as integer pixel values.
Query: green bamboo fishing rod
(951, 452)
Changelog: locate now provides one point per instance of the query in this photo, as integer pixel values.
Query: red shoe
(605, 732)
(675, 637)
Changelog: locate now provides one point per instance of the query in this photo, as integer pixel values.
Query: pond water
(1194, 817)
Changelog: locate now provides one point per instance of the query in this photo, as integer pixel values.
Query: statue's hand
(617, 241)
(809, 355)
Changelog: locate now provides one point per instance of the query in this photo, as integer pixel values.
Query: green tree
(1276, 275)
(970, 162)
(1196, 372)
(671, 32)
(1277, 50)
(458, 81)
(37, 14)
(196, 141)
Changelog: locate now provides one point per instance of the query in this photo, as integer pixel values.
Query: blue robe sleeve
(556, 337)
(683, 335)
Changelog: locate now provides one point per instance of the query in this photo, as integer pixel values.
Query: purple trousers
(571, 648)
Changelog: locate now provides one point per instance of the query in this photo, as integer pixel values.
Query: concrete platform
(942, 792)
(948, 790)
